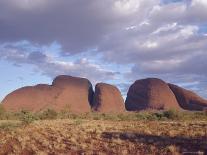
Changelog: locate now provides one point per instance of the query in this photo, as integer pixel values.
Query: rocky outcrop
(76, 95)
(107, 99)
(69, 92)
(187, 99)
(150, 93)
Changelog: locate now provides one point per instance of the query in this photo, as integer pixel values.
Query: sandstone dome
(150, 93)
(65, 92)
(187, 99)
(107, 98)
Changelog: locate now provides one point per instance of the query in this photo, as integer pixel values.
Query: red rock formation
(188, 100)
(107, 98)
(150, 93)
(65, 92)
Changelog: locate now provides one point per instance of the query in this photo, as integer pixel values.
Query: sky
(111, 41)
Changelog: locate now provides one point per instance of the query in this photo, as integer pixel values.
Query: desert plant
(146, 116)
(2, 111)
(9, 125)
(48, 114)
(27, 117)
(78, 121)
(172, 114)
(205, 111)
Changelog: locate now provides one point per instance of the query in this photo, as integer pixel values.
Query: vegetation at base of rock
(27, 117)
(50, 114)
(2, 112)
(10, 125)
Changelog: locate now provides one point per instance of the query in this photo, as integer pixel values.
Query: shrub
(27, 117)
(78, 121)
(205, 111)
(172, 114)
(122, 117)
(141, 116)
(159, 116)
(147, 116)
(2, 112)
(9, 125)
(95, 116)
(48, 114)
(153, 116)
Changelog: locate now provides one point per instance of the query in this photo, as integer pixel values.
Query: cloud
(77, 25)
(50, 66)
(162, 38)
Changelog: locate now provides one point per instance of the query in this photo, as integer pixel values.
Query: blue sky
(133, 39)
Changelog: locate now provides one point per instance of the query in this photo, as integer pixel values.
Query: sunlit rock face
(66, 92)
(152, 94)
(187, 99)
(107, 99)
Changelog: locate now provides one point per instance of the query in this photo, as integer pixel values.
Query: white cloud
(153, 37)
(49, 65)
(164, 28)
(189, 31)
(29, 4)
(130, 28)
(150, 44)
(127, 6)
(199, 2)
(144, 23)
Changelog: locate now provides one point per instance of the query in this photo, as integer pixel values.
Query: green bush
(48, 114)
(172, 114)
(27, 117)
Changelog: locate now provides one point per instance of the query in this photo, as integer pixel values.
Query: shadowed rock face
(65, 92)
(188, 100)
(107, 98)
(150, 93)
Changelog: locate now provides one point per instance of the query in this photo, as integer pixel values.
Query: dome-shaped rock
(107, 99)
(65, 92)
(187, 99)
(150, 93)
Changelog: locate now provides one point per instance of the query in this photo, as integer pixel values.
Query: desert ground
(125, 134)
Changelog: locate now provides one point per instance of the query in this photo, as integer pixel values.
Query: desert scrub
(136, 116)
(8, 125)
(128, 116)
(78, 121)
(49, 114)
(172, 114)
(65, 113)
(2, 112)
(27, 117)
(150, 116)
(105, 136)
(205, 111)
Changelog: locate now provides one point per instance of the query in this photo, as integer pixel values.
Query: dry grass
(82, 136)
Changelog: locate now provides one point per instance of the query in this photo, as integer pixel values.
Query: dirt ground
(103, 137)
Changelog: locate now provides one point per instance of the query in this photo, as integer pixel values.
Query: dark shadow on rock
(184, 143)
